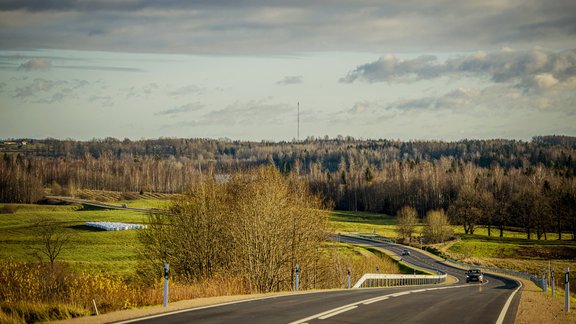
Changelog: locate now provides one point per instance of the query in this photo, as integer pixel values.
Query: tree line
(495, 183)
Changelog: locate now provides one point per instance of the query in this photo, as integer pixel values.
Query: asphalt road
(456, 303)
(103, 205)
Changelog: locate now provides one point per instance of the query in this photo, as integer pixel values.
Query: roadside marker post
(552, 284)
(567, 290)
(297, 275)
(348, 278)
(544, 281)
(166, 275)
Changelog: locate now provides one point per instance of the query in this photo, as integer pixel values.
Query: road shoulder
(539, 307)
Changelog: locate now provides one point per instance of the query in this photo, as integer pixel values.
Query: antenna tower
(298, 134)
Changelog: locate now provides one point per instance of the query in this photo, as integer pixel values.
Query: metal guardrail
(394, 280)
(373, 280)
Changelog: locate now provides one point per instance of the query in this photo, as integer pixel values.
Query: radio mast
(298, 134)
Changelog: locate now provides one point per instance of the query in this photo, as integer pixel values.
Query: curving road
(104, 205)
(495, 301)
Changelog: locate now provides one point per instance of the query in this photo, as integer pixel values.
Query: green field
(116, 251)
(88, 249)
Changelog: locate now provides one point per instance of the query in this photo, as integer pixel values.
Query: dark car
(405, 252)
(474, 275)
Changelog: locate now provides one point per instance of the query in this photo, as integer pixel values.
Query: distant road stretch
(103, 205)
(495, 301)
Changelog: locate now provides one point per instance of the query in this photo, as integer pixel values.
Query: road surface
(103, 205)
(494, 301)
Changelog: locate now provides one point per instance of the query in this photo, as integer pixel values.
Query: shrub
(438, 227)
(129, 196)
(257, 225)
(8, 209)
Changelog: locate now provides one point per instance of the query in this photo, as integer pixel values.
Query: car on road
(474, 275)
(405, 252)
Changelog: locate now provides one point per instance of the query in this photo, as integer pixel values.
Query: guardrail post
(567, 290)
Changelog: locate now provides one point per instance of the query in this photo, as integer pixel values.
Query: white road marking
(304, 320)
(345, 308)
(338, 312)
(507, 305)
(375, 300)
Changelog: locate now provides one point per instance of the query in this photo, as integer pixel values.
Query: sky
(240, 69)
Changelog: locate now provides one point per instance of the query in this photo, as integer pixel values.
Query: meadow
(89, 249)
(115, 252)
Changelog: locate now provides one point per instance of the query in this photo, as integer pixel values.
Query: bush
(129, 196)
(257, 225)
(437, 229)
(22, 312)
(8, 209)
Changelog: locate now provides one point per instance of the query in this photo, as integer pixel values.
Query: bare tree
(438, 227)
(258, 225)
(51, 237)
(407, 219)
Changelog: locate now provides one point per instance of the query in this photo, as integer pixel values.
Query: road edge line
(508, 302)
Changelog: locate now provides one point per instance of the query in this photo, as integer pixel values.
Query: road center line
(337, 312)
(375, 300)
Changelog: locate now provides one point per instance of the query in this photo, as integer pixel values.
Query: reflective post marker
(297, 275)
(567, 290)
(552, 283)
(166, 275)
(348, 278)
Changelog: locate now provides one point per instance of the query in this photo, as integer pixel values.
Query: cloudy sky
(411, 69)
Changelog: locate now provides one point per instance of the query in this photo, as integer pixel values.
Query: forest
(496, 183)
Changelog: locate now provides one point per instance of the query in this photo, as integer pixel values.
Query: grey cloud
(77, 5)
(142, 91)
(49, 91)
(35, 64)
(294, 79)
(56, 97)
(100, 68)
(259, 26)
(182, 109)
(526, 69)
(251, 113)
(37, 86)
(390, 68)
(105, 101)
(185, 90)
(45, 63)
(420, 103)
